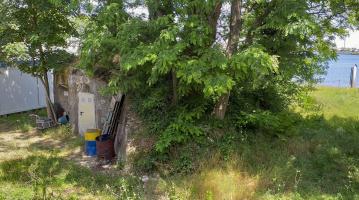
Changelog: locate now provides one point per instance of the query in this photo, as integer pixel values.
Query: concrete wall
(20, 91)
(77, 82)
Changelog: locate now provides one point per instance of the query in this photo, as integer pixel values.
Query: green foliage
(16, 51)
(173, 125)
(125, 190)
(180, 53)
(145, 162)
(181, 129)
(278, 124)
(254, 64)
(152, 106)
(183, 165)
(41, 179)
(33, 33)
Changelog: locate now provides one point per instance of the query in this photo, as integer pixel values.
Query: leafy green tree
(208, 53)
(33, 37)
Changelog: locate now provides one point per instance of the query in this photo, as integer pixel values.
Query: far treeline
(184, 63)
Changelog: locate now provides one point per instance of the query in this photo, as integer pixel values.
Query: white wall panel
(20, 91)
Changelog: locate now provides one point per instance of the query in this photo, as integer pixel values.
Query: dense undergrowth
(308, 151)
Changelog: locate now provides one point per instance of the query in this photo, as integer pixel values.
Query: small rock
(144, 178)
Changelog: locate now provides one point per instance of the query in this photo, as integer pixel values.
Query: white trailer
(21, 92)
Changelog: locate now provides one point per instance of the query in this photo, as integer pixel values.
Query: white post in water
(353, 76)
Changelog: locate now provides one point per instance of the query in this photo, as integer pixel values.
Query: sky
(350, 42)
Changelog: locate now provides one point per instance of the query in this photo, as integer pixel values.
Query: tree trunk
(49, 106)
(213, 18)
(220, 108)
(235, 26)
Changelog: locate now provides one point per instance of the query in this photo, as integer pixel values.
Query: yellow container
(91, 134)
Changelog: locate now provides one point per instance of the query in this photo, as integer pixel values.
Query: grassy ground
(319, 161)
(336, 102)
(49, 165)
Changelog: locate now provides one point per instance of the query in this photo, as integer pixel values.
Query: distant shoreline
(348, 52)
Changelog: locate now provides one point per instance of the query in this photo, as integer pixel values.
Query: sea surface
(338, 73)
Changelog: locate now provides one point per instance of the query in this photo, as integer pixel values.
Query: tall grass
(320, 161)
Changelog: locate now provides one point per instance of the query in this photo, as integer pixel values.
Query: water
(338, 73)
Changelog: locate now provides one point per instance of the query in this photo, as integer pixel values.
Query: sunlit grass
(341, 102)
(38, 165)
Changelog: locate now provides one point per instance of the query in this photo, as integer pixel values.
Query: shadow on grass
(25, 136)
(48, 144)
(20, 121)
(4, 147)
(59, 143)
(58, 172)
(319, 161)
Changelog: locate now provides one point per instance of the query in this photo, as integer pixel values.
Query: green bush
(145, 162)
(276, 124)
(183, 165)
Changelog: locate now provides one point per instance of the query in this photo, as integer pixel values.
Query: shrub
(277, 124)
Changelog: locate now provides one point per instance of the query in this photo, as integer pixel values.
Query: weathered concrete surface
(121, 133)
(67, 95)
(77, 82)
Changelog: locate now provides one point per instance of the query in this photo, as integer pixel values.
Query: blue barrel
(90, 141)
(90, 147)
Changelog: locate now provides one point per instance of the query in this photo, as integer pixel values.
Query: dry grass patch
(223, 184)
